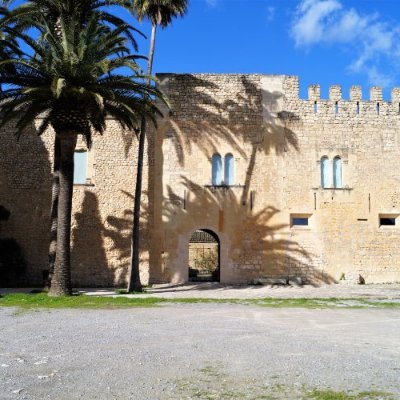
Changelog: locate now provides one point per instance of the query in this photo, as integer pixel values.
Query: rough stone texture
(277, 141)
(102, 210)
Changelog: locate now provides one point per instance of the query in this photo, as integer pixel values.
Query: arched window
(337, 172)
(326, 173)
(216, 170)
(229, 169)
(80, 166)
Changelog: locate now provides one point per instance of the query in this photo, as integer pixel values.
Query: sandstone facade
(277, 140)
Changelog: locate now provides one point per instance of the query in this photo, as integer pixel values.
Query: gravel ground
(196, 351)
(218, 291)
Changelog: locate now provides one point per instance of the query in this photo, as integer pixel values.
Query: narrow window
(399, 108)
(80, 167)
(377, 108)
(315, 107)
(229, 170)
(336, 108)
(337, 172)
(216, 170)
(358, 107)
(326, 173)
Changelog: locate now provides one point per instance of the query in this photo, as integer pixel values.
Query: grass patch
(124, 291)
(332, 395)
(42, 300)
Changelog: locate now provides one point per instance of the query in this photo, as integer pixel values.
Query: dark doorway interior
(204, 249)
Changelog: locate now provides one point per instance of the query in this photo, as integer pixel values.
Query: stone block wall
(277, 141)
(102, 210)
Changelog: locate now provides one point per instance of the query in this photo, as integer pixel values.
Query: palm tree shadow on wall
(238, 118)
(90, 266)
(25, 190)
(258, 245)
(206, 117)
(119, 233)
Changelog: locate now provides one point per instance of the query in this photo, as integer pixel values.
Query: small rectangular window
(336, 108)
(300, 220)
(378, 108)
(315, 107)
(388, 220)
(80, 167)
(358, 108)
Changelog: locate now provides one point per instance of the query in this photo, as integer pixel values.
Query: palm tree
(8, 44)
(72, 82)
(30, 15)
(159, 13)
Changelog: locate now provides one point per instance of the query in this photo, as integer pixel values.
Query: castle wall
(102, 208)
(277, 141)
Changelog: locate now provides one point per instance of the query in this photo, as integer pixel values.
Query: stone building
(243, 181)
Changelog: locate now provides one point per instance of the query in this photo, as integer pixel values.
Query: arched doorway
(204, 256)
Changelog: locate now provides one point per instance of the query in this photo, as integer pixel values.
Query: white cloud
(312, 18)
(371, 40)
(270, 13)
(212, 3)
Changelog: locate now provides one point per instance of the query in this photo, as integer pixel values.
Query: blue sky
(347, 42)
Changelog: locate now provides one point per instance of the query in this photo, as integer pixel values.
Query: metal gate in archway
(204, 256)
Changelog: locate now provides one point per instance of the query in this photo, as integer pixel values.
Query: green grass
(42, 300)
(332, 395)
(124, 291)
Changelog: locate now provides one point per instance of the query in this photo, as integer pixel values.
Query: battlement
(278, 92)
(335, 105)
(355, 93)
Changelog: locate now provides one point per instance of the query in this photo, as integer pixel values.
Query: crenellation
(396, 96)
(314, 92)
(335, 92)
(375, 94)
(356, 93)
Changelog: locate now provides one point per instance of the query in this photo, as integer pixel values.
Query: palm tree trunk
(134, 283)
(54, 210)
(61, 280)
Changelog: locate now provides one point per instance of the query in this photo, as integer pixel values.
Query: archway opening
(204, 256)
